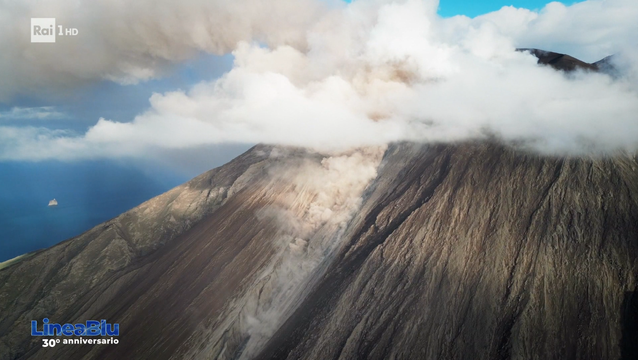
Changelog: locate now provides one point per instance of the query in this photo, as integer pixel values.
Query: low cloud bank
(367, 73)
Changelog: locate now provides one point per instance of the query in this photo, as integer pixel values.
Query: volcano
(469, 250)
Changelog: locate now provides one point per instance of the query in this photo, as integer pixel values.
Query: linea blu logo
(91, 328)
(43, 30)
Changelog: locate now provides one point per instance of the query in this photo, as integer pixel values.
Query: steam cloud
(334, 76)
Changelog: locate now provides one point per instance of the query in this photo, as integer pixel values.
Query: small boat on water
(53, 202)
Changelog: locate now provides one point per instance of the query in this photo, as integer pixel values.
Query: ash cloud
(342, 76)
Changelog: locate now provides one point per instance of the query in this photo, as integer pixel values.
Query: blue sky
(474, 8)
(449, 8)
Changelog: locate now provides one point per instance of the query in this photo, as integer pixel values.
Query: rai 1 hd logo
(43, 30)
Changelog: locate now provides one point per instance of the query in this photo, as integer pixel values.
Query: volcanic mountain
(473, 250)
(568, 63)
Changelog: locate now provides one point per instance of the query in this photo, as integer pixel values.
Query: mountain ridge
(569, 63)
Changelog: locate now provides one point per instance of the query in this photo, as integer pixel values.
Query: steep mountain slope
(65, 280)
(478, 251)
(472, 250)
(261, 223)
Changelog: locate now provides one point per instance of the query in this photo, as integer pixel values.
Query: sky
(122, 102)
(448, 8)
(78, 110)
(162, 90)
(146, 80)
(118, 102)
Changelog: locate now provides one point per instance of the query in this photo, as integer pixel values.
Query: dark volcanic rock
(479, 252)
(564, 62)
(470, 250)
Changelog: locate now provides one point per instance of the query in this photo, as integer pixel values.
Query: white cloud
(380, 71)
(135, 41)
(589, 30)
(32, 113)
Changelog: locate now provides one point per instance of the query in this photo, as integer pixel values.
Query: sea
(88, 193)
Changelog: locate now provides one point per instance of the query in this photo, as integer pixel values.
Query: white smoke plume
(333, 77)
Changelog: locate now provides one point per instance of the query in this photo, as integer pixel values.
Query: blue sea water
(88, 193)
